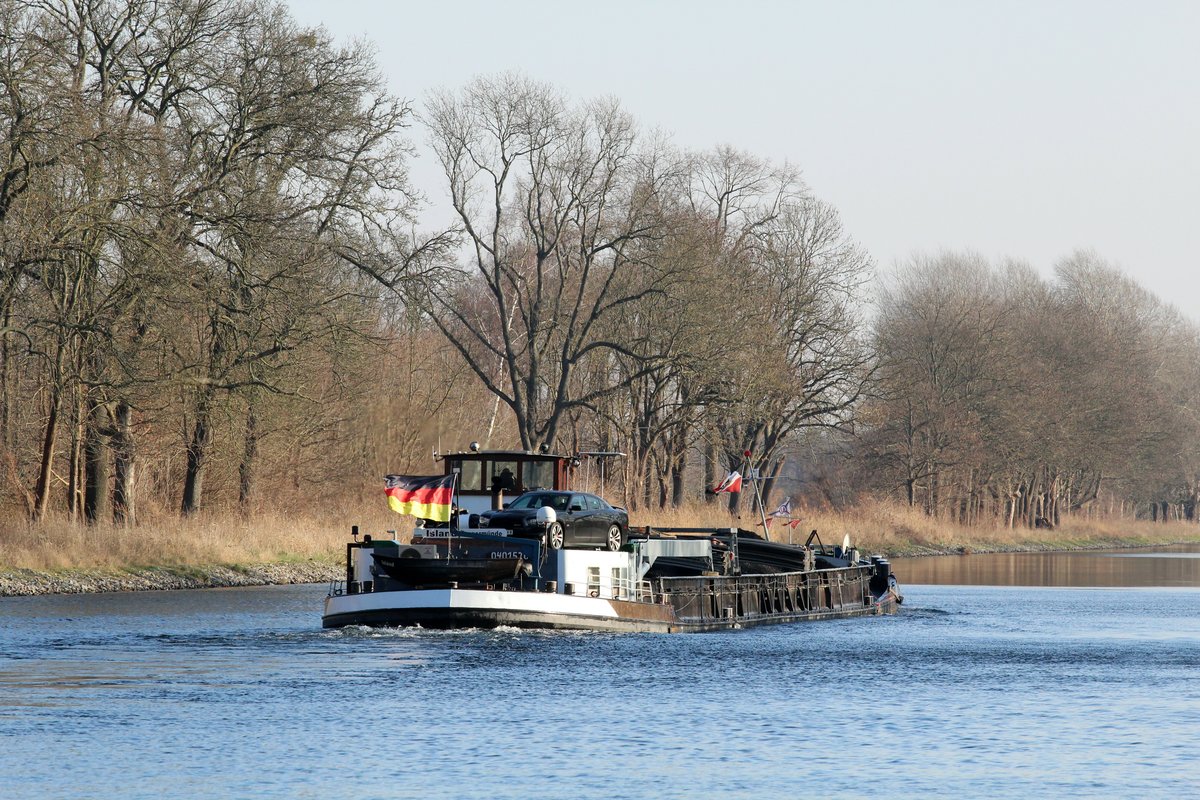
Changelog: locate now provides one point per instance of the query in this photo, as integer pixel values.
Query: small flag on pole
(784, 510)
(421, 496)
(731, 485)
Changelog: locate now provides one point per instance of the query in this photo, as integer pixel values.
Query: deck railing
(723, 597)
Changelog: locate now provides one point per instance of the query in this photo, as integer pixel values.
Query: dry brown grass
(873, 526)
(884, 527)
(206, 538)
(269, 536)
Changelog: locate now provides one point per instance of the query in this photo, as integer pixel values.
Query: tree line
(215, 290)
(186, 188)
(1003, 395)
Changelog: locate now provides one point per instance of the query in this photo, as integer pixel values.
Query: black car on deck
(580, 520)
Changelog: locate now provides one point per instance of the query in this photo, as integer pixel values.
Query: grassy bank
(209, 538)
(206, 550)
(232, 549)
(897, 530)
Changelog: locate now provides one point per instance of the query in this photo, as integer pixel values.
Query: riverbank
(896, 530)
(30, 582)
(267, 549)
(210, 550)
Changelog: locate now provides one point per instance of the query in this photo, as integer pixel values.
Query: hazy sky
(1022, 129)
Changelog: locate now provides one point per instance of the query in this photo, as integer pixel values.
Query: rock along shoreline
(28, 582)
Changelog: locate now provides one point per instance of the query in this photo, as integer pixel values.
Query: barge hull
(477, 608)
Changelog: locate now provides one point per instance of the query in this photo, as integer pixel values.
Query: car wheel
(615, 540)
(554, 536)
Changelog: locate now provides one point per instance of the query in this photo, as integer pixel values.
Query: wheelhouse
(489, 478)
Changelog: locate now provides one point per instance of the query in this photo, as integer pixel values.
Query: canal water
(971, 691)
(1170, 566)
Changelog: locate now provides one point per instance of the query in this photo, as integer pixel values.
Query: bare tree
(292, 161)
(560, 211)
(938, 320)
(1003, 396)
(186, 194)
(796, 278)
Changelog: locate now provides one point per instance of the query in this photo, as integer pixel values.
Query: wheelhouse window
(470, 474)
(538, 475)
(503, 475)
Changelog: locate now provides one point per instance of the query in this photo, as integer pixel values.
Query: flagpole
(744, 469)
(450, 523)
(754, 475)
(762, 512)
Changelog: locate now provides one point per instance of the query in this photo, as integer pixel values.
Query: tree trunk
(197, 449)
(6, 388)
(710, 478)
(95, 450)
(1030, 500)
(678, 482)
(647, 485)
(123, 464)
(935, 501)
(249, 454)
(41, 495)
(75, 467)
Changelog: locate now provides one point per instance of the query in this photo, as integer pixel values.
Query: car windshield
(538, 499)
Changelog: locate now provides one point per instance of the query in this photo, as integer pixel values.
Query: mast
(755, 480)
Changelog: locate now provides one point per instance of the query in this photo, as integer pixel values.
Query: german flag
(423, 497)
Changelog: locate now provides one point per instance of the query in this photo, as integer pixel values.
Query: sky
(1023, 130)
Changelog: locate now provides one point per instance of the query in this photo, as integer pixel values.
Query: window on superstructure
(538, 475)
(469, 477)
(503, 475)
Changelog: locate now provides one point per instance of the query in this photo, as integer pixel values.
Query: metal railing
(719, 597)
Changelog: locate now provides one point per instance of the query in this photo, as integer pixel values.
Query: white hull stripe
(473, 599)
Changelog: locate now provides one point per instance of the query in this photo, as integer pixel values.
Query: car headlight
(485, 521)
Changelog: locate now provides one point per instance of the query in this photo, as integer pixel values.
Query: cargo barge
(471, 573)
(664, 581)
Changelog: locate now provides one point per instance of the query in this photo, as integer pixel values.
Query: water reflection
(1174, 565)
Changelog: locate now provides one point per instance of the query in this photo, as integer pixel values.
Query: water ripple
(968, 692)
